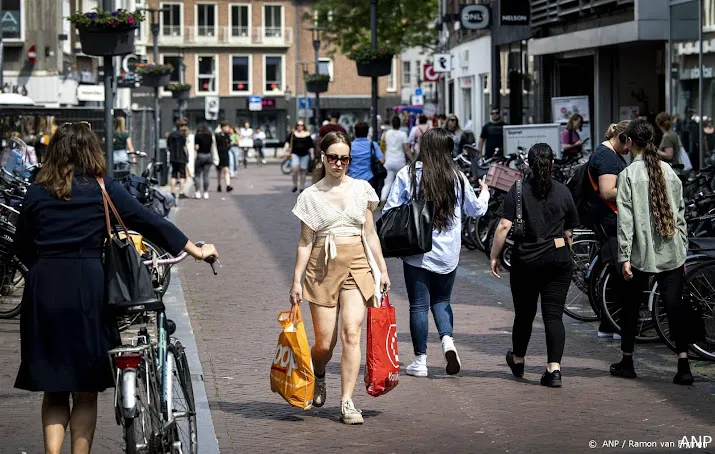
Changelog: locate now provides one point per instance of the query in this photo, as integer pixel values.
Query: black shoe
(219, 189)
(229, 188)
(516, 369)
(295, 189)
(623, 369)
(183, 196)
(551, 379)
(683, 377)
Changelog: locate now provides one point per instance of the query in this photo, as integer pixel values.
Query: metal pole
(373, 43)
(2, 59)
(701, 100)
(107, 5)
(157, 117)
(316, 47)
(296, 27)
(182, 79)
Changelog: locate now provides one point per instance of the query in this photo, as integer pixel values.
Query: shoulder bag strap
(292, 135)
(108, 201)
(372, 149)
(519, 214)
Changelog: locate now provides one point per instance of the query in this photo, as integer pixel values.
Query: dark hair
(541, 157)
(361, 130)
(663, 121)
(396, 122)
(225, 123)
(440, 176)
(571, 125)
(203, 128)
(180, 124)
(641, 133)
(331, 139)
(73, 146)
(423, 119)
(335, 115)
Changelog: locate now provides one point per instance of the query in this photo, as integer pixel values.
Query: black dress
(65, 333)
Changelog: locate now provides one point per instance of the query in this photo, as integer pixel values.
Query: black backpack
(580, 188)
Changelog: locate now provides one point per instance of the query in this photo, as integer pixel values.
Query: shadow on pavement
(282, 411)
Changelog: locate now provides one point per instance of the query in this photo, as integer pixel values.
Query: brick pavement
(482, 410)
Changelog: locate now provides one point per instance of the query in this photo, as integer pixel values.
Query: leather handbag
(127, 278)
(379, 172)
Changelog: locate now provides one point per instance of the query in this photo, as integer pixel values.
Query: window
(66, 30)
(708, 15)
(406, 73)
(206, 20)
(273, 72)
(175, 61)
(240, 74)
(87, 5)
(273, 21)
(206, 74)
(392, 78)
(240, 21)
(325, 66)
(171, 19)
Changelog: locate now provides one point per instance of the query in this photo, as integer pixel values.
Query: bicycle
(154, 399)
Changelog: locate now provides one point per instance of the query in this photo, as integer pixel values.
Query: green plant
(178, 87)
(366, 54)
(154, 70)
(316, 78)
(99, 19)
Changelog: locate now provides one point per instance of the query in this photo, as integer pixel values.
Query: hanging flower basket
(373, 62)
(155, 75)
(104, 33)
(181, 92)
(317, 83)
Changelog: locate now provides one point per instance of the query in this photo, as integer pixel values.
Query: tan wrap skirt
(348, 270)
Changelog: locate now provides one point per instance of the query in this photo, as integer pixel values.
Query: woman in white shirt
(397, 153)
(258, 142)
(429, 277)
(341, 256)
(245, 141)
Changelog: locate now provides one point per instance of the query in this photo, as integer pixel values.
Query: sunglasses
(85, 123)
(495, 113)
(300, 125)
(333, 159)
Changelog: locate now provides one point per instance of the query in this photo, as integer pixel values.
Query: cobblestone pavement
(483, 409)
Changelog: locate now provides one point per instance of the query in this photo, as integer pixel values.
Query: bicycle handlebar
(211, 260)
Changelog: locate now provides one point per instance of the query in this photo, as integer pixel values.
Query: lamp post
(316, 47)
(288, 93)
(182, 79)
(108, 5)
(373, 44)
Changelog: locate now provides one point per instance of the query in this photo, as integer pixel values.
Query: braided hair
(641, 133)
(541, 158)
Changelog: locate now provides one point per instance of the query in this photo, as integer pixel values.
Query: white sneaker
(601, 334)
(616, 336)
(349, 414)
(450, 354)
(198, 194)
(206, 195)
(418, 368)
(263, 161)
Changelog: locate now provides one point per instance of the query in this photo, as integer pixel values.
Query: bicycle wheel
(467, 237)
(12, 286)
(481, 232)
(286, 167)
(182, 406)
(142, 432)
(611, 309)
(578, 305)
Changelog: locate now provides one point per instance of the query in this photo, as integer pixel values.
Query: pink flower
(131, 19)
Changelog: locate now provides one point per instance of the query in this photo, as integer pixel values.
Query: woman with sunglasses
(65, 330)
(301, 147)
(452, 127)
(341, 256)
(599, 210)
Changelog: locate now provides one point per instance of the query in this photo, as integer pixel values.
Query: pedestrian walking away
(362, 151)
(300, 147)
(65, 329)
(121, 145)
(223, 146)
(259, 139)
(178, 156)
(429, 277)
(397, 154)
(341, 256)
(206, 157)
(233, 152)
(541, 264)
(651, 216)
(417, 132)
(245, 142)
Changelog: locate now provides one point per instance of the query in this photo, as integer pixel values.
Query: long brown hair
(571, 125)
(440, 176)
(73, 146)
(329, 140)
(541, 158)
(641, 133)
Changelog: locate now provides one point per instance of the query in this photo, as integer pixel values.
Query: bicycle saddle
(134, 307)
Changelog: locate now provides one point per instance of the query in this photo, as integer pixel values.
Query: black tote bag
(379, 172)
(127, 278)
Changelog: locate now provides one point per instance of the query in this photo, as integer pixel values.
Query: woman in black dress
(60, 237)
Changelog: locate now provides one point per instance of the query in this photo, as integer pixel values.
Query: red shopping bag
(382, 371)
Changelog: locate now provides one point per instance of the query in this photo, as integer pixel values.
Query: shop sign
(474, 17)
(525, 136)
(694, 73)
(10, 22)
(93, 93)
(17, 89)
(268, 103)
(514, 12)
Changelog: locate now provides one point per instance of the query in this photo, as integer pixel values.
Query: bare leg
(325, 323)
(218, 176)
(181, 185)
(302, 179)
(226, 176)
(83, 421)
(295, 171)
(55, 418)
(352, 313)
(173, 186)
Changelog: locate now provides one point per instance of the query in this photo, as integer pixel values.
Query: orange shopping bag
(292, 369)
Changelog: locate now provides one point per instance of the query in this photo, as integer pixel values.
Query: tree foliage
(401, 24)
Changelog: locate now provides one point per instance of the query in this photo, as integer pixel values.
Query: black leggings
(202, 166)
(670, 288)
(549, 276)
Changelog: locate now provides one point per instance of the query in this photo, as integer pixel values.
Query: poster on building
(523, 137)
(583, 134)
(628, 113)
(562, 108)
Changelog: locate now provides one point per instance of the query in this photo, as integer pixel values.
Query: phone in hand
(586, 139)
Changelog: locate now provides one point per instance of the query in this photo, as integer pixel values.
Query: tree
(401, 24)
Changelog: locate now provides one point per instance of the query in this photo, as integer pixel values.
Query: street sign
(129, 63)
(305, 103)
(418, 100)
(474, 17)
(428, 74)
(442, 63)
(254, 104)
(305, 113)
(429, 109)
(32, 54)
(211, 105)
(418, 91)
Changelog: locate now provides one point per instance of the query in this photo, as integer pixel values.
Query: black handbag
(407, 229)
(379, 172)
(518, 228)
(127, 278)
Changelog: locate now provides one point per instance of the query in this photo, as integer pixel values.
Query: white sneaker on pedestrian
(450, 354)
(616, 336)
(198, 194)
(263, 161)
(418, 368)
(206, 195)
(349, 414)
(604, 335)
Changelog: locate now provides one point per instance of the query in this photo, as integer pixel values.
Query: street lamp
(316, 47)
(288, 93)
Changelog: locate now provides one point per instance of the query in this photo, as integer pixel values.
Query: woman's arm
(472, 205)
(408, 152)
(373, 242)
(130, 146)
(666, 153)
(305, 246)
(499, 240)
(607, 186)
(569, 236)
(626, 222)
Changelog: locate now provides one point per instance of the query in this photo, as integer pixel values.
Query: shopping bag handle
(385, 300)
(295, 315)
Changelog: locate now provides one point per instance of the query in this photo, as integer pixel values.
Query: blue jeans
(426, 290)
(233, 160)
